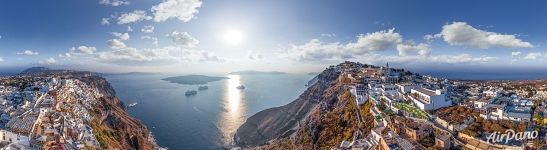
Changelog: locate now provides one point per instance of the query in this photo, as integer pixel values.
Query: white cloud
(376, 41)
(164, 55)
(207, 57)
(433, 59)
(254, 56)
(105, 21)
(116, 44)
(147, 29)
(28, 53)
(532, 56)
(406, 48)
(430, 37)
(328, 35)
(48, 61)
(315, 50)
(183, 10)
(129, 29)
(133, 55)
(82, 50)
(114, 2)
(79, 51)
(1, 59)
(121, 36)
(135, 16)
(460, 33)
(517, 53)
(461, 58)
(183, 39)
(153, 39)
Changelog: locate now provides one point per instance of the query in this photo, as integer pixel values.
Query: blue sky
(190, 36)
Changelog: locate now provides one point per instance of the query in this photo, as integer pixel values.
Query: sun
(233, 37)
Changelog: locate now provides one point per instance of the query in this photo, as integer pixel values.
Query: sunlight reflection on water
(235, 108)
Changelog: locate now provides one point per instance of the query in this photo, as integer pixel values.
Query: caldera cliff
(115, 128)
(317, 118)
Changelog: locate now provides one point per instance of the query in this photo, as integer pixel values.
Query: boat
(203, 88)
(132, 104)
(191, 92)
(241, 87)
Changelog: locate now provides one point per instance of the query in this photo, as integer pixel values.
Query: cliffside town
(61, 109)
(360, 106)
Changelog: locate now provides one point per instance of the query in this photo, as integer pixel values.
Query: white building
(388, 89)
(491, 92)
(492, 111)
(427, 99)
(359, 98)
(518, 113)
(405, 88)
(10, 137)
(480, 103)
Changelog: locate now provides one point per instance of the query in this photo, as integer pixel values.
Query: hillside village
(386, 109)
(54, 111)
(435, 112)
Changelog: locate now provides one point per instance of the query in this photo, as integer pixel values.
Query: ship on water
(132, 104)
(201, 88)
(191, 92)
(241, 87)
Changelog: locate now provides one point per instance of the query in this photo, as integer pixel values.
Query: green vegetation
(414, 111)
(382, 106)
(538, 143)
(530, 91)
(306, 140)
(367, 118)
(287, 144)
(539, 120)
(428, 141)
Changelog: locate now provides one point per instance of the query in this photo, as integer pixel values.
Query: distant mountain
(34, 70)
(313, 73)
(193, 79)
(253, 72)
(134, 73)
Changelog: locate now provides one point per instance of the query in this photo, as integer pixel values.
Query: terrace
(414, 111)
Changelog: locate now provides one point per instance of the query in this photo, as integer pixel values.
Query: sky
(192, 36)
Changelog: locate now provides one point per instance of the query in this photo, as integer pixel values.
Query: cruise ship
(201, 88)
(191, 92)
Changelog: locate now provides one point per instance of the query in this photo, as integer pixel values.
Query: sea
(209, 119)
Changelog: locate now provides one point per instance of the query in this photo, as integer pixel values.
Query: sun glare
(233, 37)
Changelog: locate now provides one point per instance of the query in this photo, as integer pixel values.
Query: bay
(209, 119)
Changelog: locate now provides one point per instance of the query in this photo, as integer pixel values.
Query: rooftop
(426, 91)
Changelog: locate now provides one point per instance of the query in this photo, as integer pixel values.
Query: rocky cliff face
(323, 116)
(113, 127)
(281, 122)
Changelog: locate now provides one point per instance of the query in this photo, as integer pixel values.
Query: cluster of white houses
(503, 106)
(385, 84)
(48, 113)
(388, 86)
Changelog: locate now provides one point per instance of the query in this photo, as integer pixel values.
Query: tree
(539, 119)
